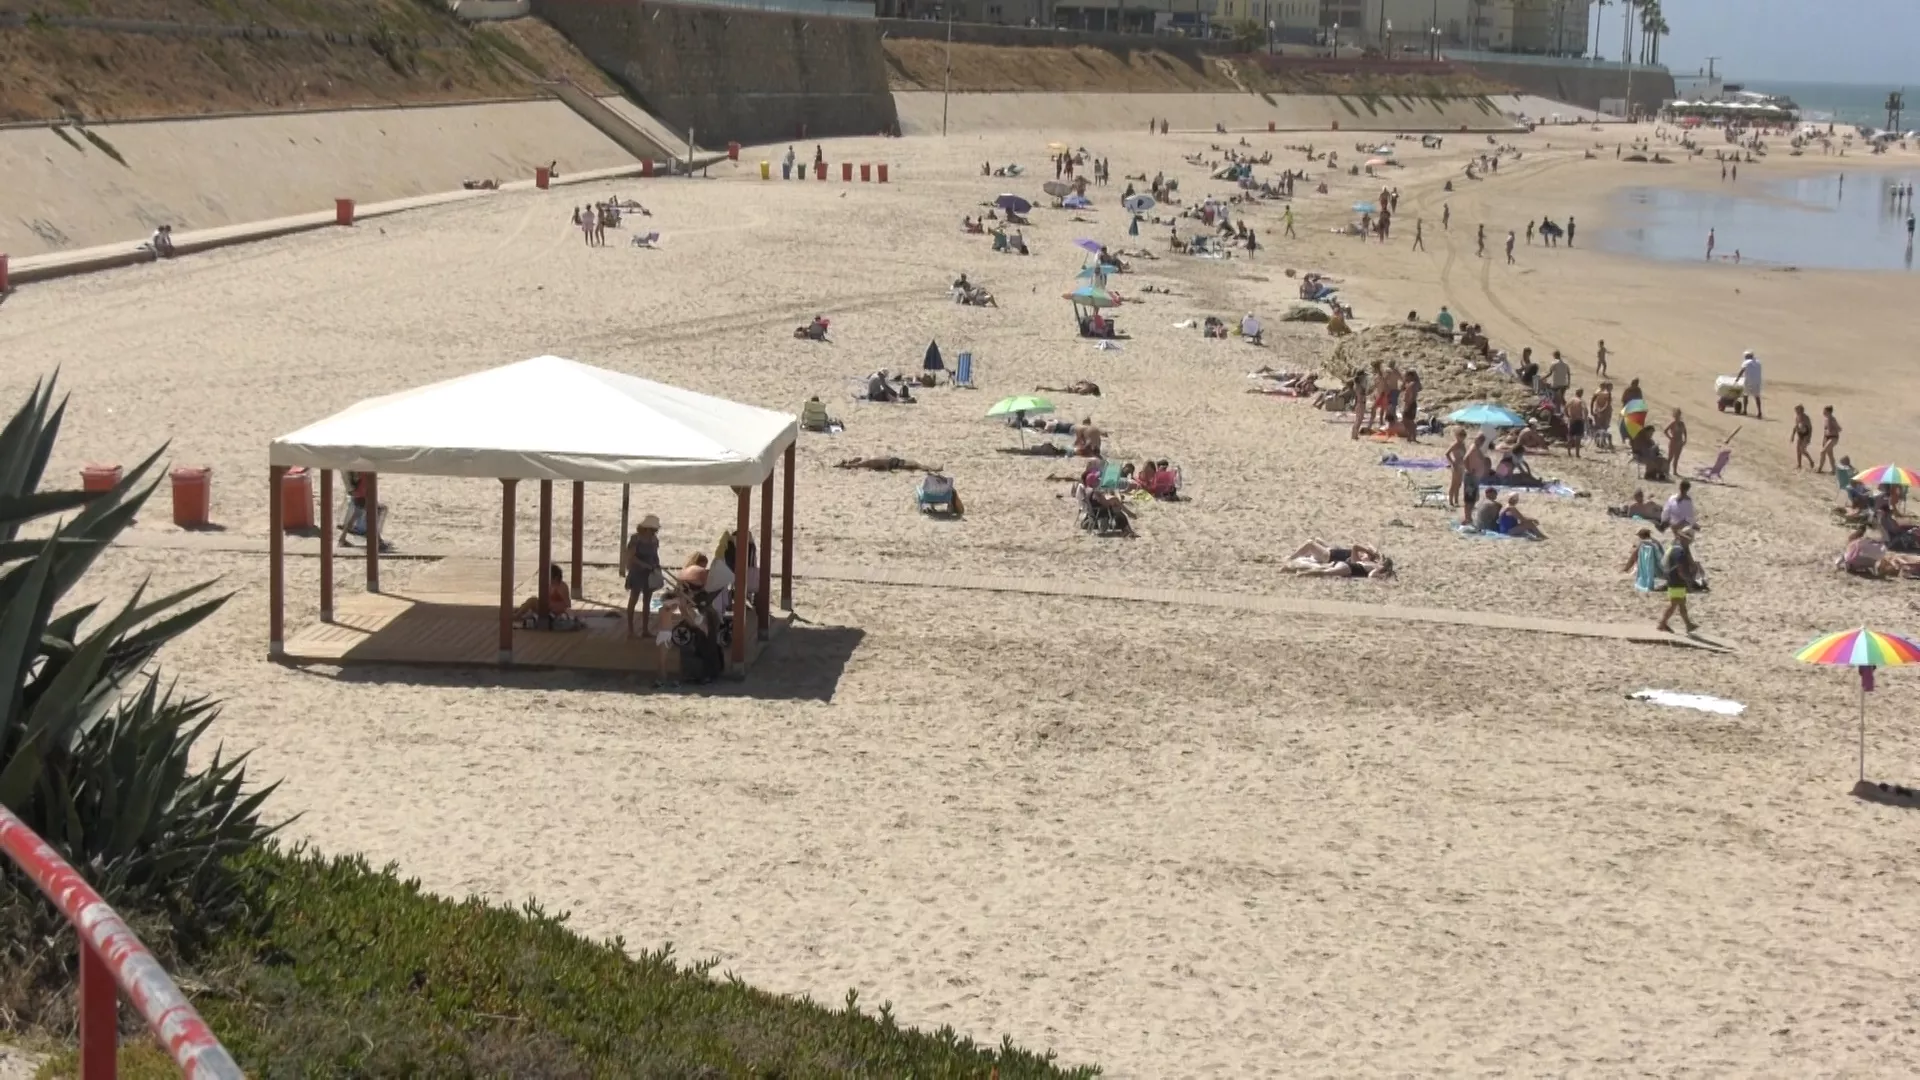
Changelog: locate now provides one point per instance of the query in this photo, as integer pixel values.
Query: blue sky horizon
(1861, 42)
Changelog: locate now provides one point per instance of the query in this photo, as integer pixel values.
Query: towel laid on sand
(1398, 462)
(1471, 532)
(1698, 702)
(1559, 489)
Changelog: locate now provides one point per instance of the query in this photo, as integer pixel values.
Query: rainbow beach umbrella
(1863, 650)
(1633, 419)
(1887, 474)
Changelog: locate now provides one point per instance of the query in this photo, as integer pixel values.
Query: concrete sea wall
(1585, 86)
(920, 112)
(732, 74)
(70, 188)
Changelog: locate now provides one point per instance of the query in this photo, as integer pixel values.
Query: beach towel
(1559, 489)
(1398, 462)
(1108, 346)
(1673, 699)
(1646, 572)
(1471, 532)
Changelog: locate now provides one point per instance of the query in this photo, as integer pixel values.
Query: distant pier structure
(1896, 104)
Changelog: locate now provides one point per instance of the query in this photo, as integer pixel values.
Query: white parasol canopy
(548, 418)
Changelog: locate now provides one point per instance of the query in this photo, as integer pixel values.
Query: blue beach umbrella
(1487, 414)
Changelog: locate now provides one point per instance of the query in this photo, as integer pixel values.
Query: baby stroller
(705, 629)
(1101, 513)
(1729, 393)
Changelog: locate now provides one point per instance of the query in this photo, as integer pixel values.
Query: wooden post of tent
(579, 534)
(763, 588)
(507, 510)
(544, 607)
(372, 516)
(276, 565)
(742, 532)
(326, 545)
(786, 531)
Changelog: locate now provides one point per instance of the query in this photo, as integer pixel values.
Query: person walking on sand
(1680, 570)
(1288, 219)
(1749, 376)
(1709, 245)
(1456, 465)
(1481, 242)
(1446, 217)
(1676, 442)
(1829, 440)
(1802, 438)
(1509, 247)
(1419, 234)
(1569, 230)
(1600, 363)
(1529, 232)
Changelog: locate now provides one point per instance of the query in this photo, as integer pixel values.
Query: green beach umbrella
(1022, 404)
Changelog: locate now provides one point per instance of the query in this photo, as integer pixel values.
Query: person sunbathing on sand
(1318, 560)
(1078, 386)
(885, 464)
(1637, 507)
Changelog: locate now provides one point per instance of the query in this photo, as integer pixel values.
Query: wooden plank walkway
(1639, 634)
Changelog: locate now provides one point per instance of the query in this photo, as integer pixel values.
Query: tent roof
(548, 419)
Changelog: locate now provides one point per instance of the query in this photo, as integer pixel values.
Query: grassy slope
(362, 974)
(921, 65)
(104, 75)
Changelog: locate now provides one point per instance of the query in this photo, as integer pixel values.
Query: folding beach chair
(1425, 495)
(936, 495)
(962, 371)
(1711, 473)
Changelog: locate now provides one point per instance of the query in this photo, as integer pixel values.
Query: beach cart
(1730, 394)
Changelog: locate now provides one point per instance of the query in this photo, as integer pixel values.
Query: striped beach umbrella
(1863, 650)
(1887, 474)
(1633, 419)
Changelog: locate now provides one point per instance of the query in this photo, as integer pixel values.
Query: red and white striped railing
(113, 960)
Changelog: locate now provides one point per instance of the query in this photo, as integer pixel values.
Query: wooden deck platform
(441, 619)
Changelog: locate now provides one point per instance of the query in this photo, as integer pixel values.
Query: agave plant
(94, 754)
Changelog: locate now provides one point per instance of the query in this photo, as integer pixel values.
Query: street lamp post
(946, 85)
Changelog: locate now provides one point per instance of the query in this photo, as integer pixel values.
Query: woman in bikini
(1802, 437)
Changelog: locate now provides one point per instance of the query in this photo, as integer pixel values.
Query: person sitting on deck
(162, 242)
(559, 603)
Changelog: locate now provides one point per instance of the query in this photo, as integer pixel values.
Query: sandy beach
(1172, 838)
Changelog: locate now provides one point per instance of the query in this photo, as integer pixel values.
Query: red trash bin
(819, 170)
(846, 172)
(1269, 125)
(192, 496)
(343, 211)
(542, 176)
(646, 166)
(882, 167)
(866, 172)
(296, 499)
(3, 274)
(99, 477)
(733, 151)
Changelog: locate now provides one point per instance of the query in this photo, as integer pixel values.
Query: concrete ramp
(651, 126)
(643, 144)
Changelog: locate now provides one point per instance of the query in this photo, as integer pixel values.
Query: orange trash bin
(296, 499)
(866, 172)
(882, 168)
(192, 496)
(343, 211)
(846, 172)
(99, 477)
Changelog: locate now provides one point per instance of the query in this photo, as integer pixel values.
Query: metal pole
(1863, 729)
(946, 85)
(626, 505)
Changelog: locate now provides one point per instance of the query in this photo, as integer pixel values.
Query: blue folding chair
(962, 371)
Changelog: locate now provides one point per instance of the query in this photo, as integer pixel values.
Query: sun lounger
(1711, 473)
(1425, 495)
(936, 495)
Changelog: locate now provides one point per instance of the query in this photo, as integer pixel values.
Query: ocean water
(1842, 103)
(1813, 221)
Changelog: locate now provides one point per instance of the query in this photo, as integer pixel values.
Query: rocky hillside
(125, 59)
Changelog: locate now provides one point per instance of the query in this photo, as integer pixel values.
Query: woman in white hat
(640, 561)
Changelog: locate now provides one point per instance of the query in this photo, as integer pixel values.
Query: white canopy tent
(549, 419)
(544, 419)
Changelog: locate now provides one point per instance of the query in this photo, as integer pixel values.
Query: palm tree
(1652, 25)
(1593, 36)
